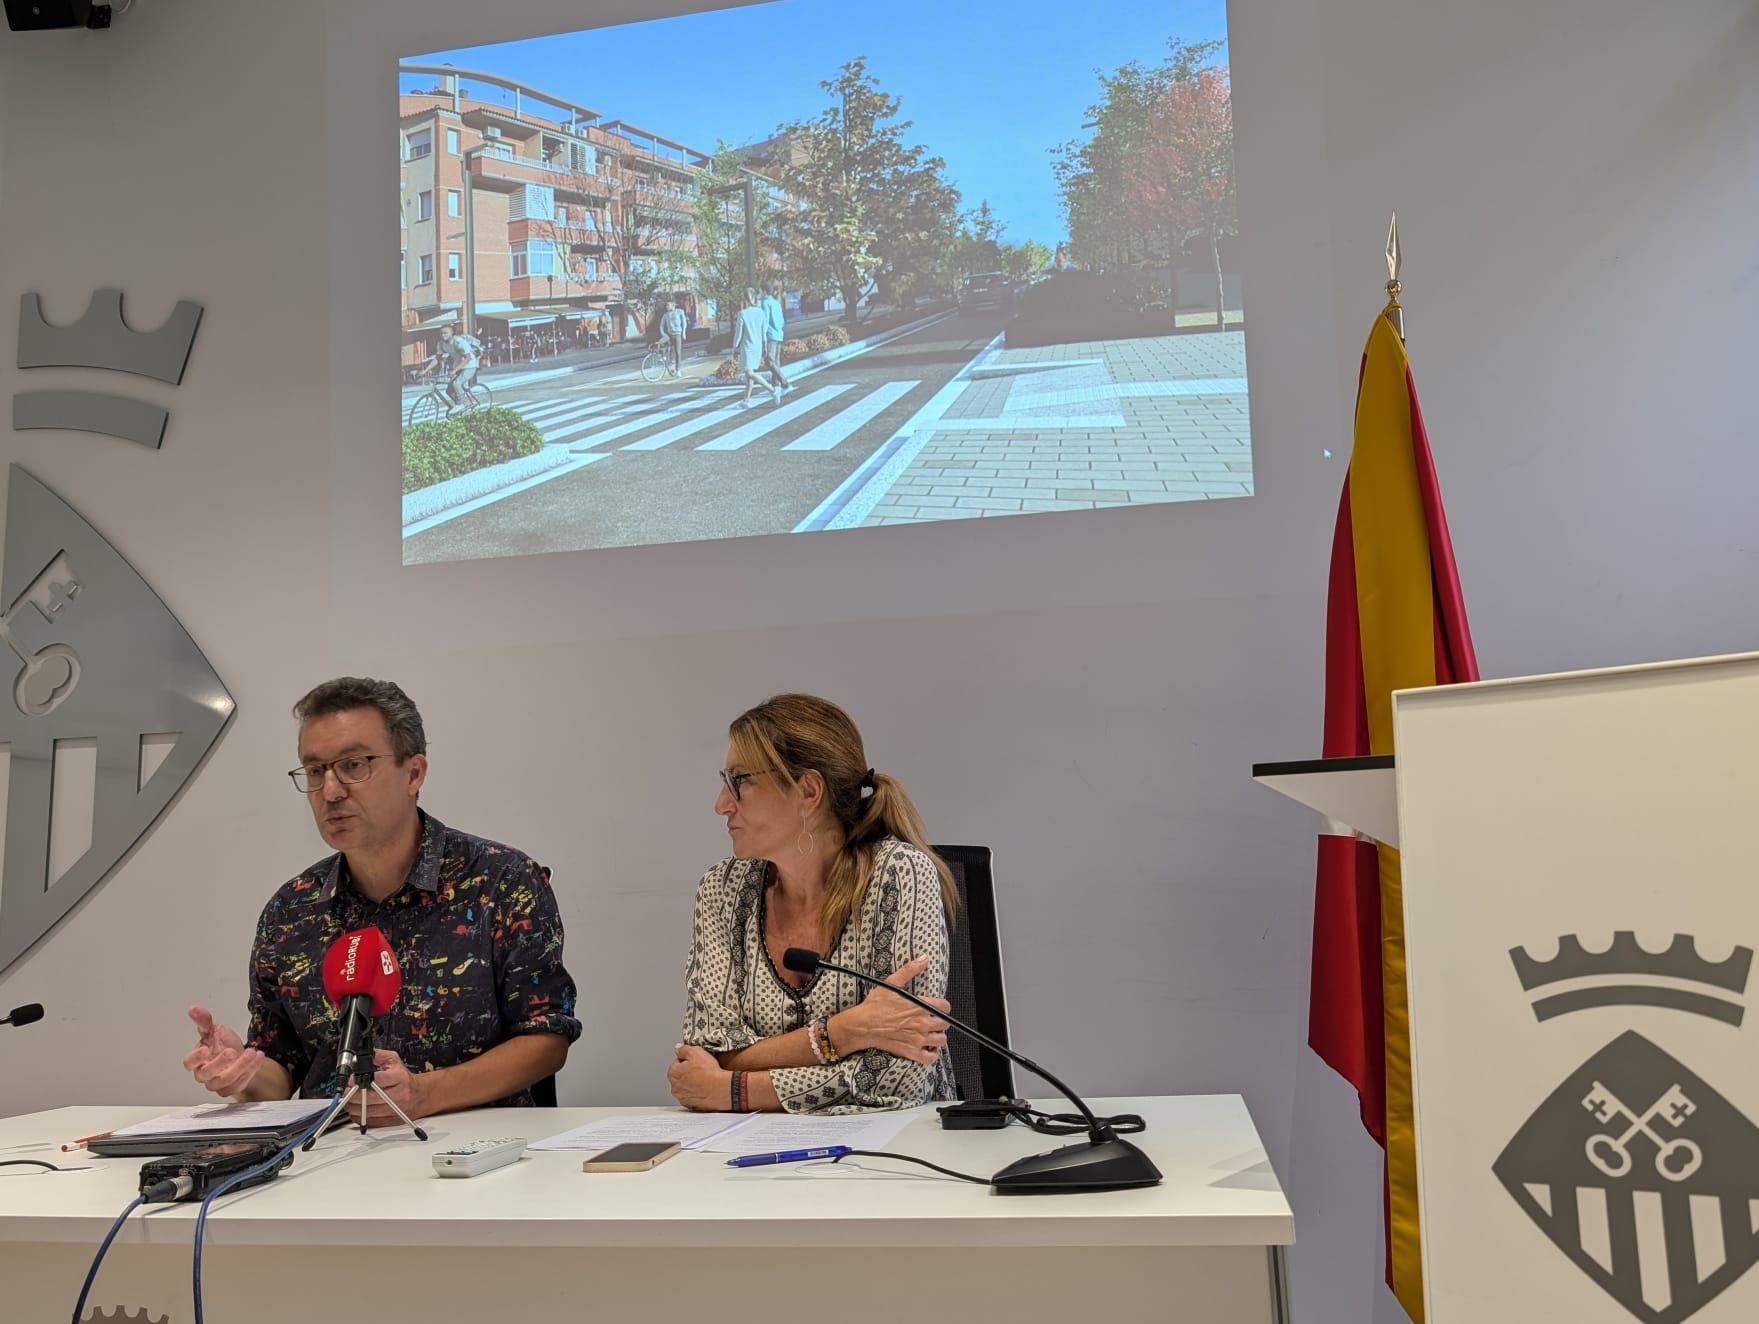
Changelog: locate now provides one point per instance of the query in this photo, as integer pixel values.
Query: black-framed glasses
(735, 781)
(354, 768)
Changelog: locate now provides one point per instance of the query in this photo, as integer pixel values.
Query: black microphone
(1101, 1163)
(356, 1038)
(25, 1015)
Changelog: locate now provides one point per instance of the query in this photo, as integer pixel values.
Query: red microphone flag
(361, 963)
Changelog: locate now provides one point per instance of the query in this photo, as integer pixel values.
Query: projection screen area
(753, 272)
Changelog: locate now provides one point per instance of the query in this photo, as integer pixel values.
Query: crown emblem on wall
(1627, 974)
(102, 339)
(120, 1317)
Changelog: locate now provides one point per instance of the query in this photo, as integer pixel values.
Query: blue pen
(788, 1156)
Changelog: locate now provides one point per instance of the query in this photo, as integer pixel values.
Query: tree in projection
(865, 212)
(719, 219)
(1183, 176)
(1156, 178)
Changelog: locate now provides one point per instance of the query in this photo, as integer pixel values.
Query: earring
(811, 842)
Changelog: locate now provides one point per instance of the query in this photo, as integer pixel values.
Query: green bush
(434, 452)
(793, 349)
(817, 343)
(838, 336)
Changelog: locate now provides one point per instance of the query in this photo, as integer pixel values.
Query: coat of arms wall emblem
(1636, 1167)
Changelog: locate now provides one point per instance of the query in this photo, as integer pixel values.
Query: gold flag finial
(1394, 259)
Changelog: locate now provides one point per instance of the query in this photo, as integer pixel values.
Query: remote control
(478, 1156)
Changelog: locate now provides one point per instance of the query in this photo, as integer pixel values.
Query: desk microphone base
(1107, 1164)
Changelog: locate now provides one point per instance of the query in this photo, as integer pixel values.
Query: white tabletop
(381, 1190)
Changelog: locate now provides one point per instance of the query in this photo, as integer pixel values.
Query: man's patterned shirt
(477, 936)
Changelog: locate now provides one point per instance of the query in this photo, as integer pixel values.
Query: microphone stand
(361, 1081)
(1103, 1162)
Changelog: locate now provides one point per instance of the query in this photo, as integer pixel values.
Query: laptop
(275, 1122)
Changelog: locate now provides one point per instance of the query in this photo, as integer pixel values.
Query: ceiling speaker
(30, 15)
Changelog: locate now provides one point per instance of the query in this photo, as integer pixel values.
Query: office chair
(974, 976)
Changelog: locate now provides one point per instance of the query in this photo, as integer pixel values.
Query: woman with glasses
(828, 855)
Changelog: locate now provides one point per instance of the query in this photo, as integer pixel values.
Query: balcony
(504, 173)
(544, 288)
(572, 236)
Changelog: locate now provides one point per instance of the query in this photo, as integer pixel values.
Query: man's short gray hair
(346, 693)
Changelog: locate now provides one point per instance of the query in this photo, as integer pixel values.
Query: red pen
(82, 1142)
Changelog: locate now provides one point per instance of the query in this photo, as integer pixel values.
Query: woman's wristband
(847, 1039)
(824, 1041)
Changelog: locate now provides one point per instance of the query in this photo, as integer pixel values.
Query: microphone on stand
(28, 1014)
(362, 979)
(1102, 1162)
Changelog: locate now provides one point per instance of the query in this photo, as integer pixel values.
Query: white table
(361, 1228)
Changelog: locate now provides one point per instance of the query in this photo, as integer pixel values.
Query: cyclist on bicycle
(673, 326)
(460, 357)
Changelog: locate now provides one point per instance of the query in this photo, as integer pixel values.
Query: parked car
(985, 289)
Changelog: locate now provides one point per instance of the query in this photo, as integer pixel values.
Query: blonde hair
(793, 734)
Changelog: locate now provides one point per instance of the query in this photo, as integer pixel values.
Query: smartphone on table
(636, 1156)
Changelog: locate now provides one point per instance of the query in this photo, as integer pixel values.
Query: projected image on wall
(806, 265)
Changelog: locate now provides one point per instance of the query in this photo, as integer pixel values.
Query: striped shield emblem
(1644, 1176)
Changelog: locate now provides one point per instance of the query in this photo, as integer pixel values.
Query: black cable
(911, 1158)
(33, 1163)
(1068, 1124)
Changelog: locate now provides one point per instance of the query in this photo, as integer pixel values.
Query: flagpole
(1395, 312)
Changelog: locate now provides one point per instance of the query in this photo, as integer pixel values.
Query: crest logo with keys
(1634, 1167)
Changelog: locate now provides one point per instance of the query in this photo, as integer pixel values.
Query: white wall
(1086, 693)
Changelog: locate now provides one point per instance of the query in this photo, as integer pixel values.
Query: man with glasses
(487, 1007)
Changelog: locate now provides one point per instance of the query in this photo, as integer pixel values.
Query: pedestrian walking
(748, 342)
(772, 341)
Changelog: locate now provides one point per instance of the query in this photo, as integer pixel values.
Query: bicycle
(657, 364)
(436, 404)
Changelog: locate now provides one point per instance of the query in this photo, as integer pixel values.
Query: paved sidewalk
(1077, 426)
(626, 354)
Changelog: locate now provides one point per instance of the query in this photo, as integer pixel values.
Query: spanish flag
(1394, 620)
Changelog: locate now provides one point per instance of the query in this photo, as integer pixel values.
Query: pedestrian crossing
(643, 423)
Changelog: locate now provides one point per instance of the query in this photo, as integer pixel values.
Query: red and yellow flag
(1394, 620)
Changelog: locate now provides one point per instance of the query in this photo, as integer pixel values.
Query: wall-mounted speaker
(31, 15)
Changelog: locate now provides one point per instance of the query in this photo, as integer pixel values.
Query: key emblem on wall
(96, 658)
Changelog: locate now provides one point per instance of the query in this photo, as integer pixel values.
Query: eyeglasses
(354, 768)
(735, 781)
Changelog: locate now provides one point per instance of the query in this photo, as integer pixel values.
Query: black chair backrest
(543, 1092)
(974, 976)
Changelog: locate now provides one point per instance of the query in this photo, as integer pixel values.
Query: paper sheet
(774, 1133)
(692, 1129)
(267, 1115)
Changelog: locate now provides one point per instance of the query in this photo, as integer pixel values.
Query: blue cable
(201, 1219)
(92, 1273)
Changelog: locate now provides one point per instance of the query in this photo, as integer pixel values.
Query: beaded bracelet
(812, 1042)
(744, 1091)
(824, 1037)
(736, 1090)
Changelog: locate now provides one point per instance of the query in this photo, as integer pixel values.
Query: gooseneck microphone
(28, 1014)
(1102, 1162)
